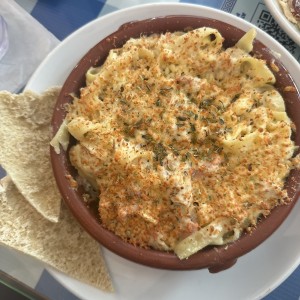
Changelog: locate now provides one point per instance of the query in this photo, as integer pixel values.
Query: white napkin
(29, 43)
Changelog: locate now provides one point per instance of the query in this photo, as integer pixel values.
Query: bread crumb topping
(184, 140)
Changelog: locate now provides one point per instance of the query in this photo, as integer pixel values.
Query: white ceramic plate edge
(291, 30)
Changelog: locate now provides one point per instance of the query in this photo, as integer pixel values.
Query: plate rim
(289, 28)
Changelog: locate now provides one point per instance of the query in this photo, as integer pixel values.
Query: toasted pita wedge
(24, 142)
(63, 245)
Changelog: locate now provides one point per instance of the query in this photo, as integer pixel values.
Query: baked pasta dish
(185, 143)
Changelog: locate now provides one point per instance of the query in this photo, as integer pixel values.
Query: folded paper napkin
(29, 43)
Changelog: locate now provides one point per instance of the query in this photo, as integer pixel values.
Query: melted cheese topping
(186, 143)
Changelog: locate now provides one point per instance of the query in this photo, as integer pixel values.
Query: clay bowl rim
(215, 258)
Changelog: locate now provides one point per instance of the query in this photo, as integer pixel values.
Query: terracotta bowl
(214, 258)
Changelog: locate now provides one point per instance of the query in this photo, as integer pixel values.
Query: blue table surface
(62, 17)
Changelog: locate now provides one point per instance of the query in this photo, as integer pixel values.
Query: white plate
(255, 274)
(291, 29)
